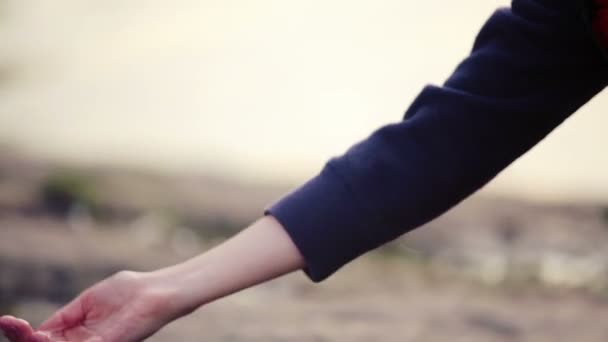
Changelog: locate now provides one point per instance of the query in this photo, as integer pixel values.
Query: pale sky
(264, 90)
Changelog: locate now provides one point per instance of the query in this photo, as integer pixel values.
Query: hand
(123, 308)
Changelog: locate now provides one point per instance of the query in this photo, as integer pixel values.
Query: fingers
(15, 329)
(19, 330)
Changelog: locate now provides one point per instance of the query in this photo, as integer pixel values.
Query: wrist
(168, 286)
(261, 252)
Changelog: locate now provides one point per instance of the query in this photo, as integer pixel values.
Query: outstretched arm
(132, 306)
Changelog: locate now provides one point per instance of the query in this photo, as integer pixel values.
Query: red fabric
(600, 22)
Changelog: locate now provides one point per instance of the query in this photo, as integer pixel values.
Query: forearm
(261, 252)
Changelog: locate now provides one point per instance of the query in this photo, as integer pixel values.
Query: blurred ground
(375, 301)
(490, 270)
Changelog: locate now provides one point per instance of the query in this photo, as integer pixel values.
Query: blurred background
(137, 134)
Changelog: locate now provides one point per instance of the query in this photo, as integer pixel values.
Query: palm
(114, 310)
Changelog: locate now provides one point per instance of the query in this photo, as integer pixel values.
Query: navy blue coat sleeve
(531, 67)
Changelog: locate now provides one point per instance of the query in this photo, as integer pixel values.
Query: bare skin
(131, 306)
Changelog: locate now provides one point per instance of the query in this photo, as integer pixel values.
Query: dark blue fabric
(531, 67)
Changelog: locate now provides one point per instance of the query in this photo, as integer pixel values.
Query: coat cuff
(315, 216)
